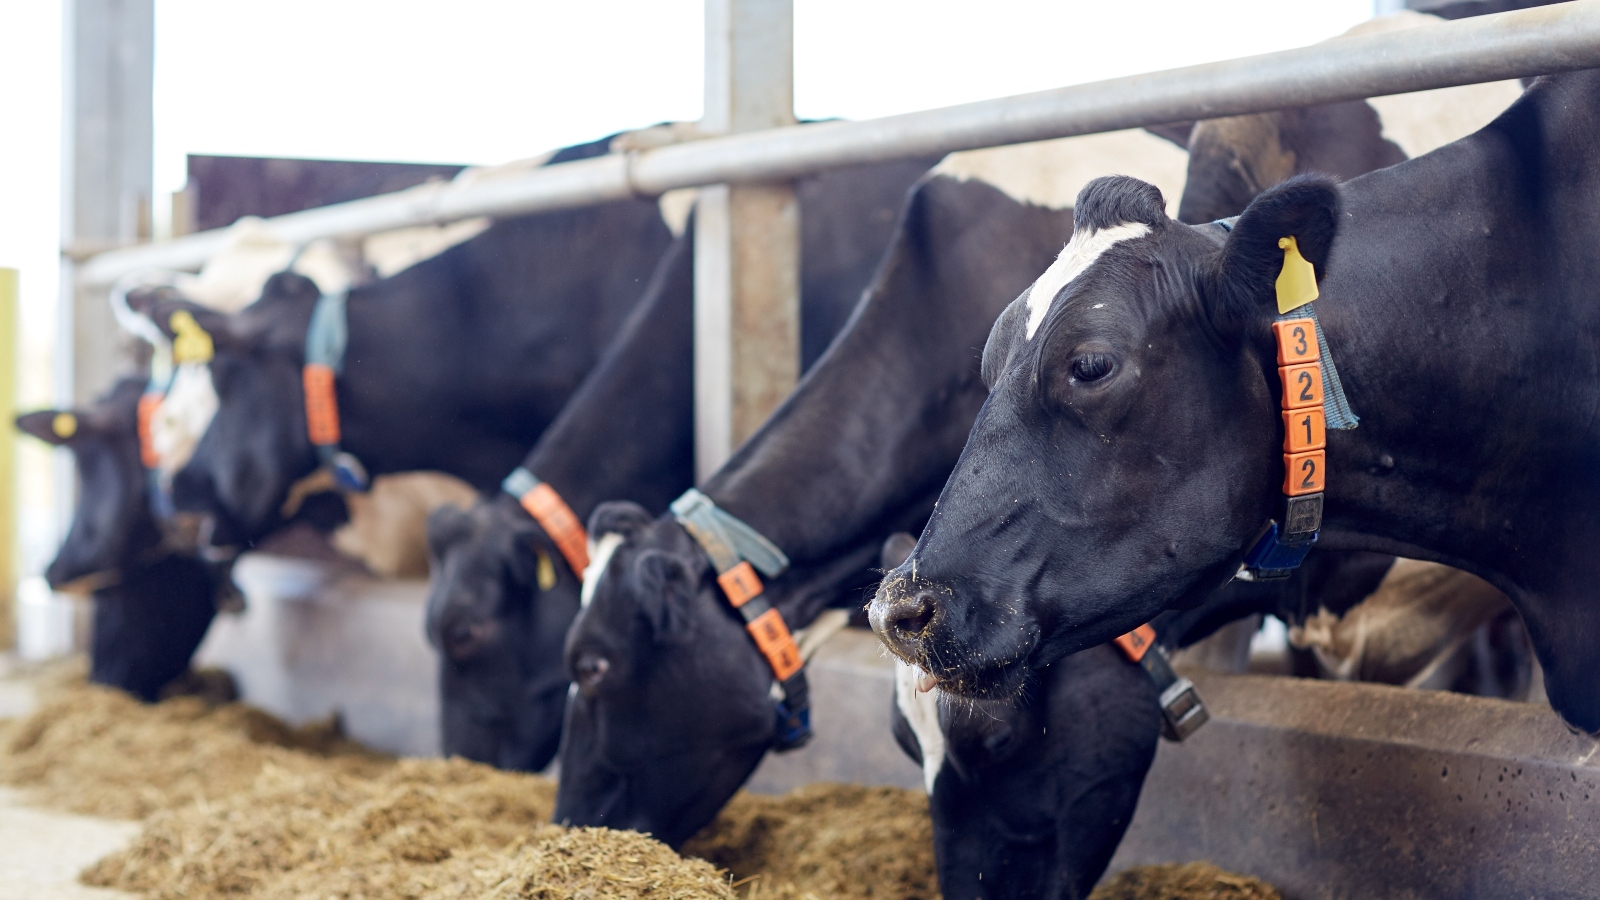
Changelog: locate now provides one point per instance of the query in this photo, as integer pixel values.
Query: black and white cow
(1130, 447)
(455, 364)
(1031, 795)
(673, 709)
(152, 604)
(627, 432)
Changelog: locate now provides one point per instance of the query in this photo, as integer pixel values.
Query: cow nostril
(909, 617)
(461, 640)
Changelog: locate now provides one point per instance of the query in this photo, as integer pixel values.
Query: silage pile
(238, 804)
(826, 840)
(1183, 881)
(418, 828)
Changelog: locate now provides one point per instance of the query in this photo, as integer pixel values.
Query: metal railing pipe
(1544, 40)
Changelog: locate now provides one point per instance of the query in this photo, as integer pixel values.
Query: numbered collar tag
(1313, 401)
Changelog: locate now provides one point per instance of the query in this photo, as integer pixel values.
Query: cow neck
(738, 552)
(1474, 452)
(327, 337)
(838, 468)
(635, 409)
(1475, 362)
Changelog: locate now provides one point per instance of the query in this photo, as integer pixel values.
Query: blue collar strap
(326, 339)
(736, 551)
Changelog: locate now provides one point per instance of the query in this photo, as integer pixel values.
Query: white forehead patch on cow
(921, 709)
(599, 557)
(183, 416)
(1086, 246)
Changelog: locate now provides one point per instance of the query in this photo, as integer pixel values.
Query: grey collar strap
(726, 540)
(329, 333)
(326, 339)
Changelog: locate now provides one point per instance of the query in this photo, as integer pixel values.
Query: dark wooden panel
(227, 187)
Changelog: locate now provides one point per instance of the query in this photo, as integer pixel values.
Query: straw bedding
(237, 804)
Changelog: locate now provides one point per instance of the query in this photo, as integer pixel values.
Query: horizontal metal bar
(1544, 40)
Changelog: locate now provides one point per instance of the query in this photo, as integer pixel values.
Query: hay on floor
(236, 803)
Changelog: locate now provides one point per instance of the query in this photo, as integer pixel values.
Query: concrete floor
(42, 852)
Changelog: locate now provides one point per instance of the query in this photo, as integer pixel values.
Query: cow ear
(896, 550)
(1004, 337)
(279, 317)
(53, 426)
(447, 526)
(169, 311)
(619, 517)
(665, 591)
(1305, 208)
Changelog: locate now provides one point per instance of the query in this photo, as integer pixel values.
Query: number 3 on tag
(1297, 341)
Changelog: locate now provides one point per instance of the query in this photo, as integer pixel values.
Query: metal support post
(107, 157)
(8, 459)
(747, 236)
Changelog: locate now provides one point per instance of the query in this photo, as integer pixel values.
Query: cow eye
(1092, 366)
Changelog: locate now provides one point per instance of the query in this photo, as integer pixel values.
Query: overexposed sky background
(486, 81)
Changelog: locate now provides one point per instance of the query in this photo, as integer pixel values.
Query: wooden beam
(747, 237)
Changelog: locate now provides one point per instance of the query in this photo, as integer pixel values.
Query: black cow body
(628, 432)
(456, 364)
(1033, 794)
(152, 605)
(1130, 449)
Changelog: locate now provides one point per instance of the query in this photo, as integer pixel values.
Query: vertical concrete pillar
(747, 237)
(8, 459)
(107, 172)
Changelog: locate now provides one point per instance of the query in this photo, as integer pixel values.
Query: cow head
(255, 446)
(112, 525)
(642, 749)
(1031, 798)
(499, 607)
(1129, 448)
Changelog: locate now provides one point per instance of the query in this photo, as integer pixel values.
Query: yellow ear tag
(1297, 283)
(547, 570)
(65, 425)
(190, 342)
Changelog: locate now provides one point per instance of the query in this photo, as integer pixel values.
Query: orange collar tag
(776, 643)
(741, 584)
(322, 405)
(560, 522)
(1136, 643)
(148, 404)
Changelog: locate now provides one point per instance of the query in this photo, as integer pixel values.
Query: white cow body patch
(921, 709)
(1080, 253)
(1051, 173)
(1424, 121)
(599, 557)
(183, 416)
